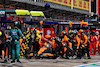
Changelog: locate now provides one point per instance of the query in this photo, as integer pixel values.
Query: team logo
(14, 32)
(48, 32)
(2, 12)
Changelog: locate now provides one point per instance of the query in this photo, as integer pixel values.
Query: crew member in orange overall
(77, 45)
(85, 45)
(57, 46)
(66, 41)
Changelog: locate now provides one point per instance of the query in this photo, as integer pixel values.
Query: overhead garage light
(22, 12)
(36, 13)
(97, 29)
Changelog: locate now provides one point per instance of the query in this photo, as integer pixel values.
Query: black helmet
(74, 31)
(58, 39)
(82, 31)
(16, 23)
(52, 38)
(64, 32)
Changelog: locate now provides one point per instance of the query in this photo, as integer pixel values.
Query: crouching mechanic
(57, 46)
(15, 33)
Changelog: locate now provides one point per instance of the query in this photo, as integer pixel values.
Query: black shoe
(77, 58)
(5, 61)
(18, 61)
(89, 57)
(67, 58)
(13, 61)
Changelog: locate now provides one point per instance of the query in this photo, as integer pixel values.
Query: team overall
(15, 33)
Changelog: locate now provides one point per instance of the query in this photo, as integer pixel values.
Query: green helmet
(0, 33)
(16, 23)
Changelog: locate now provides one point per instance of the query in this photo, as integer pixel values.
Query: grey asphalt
(51, 62)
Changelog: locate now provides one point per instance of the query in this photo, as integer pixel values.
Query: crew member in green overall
(15, 33)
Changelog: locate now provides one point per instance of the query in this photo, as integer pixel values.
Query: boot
(13, 61)
(18, 61)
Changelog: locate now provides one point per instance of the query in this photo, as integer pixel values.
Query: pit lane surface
(51, 62)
